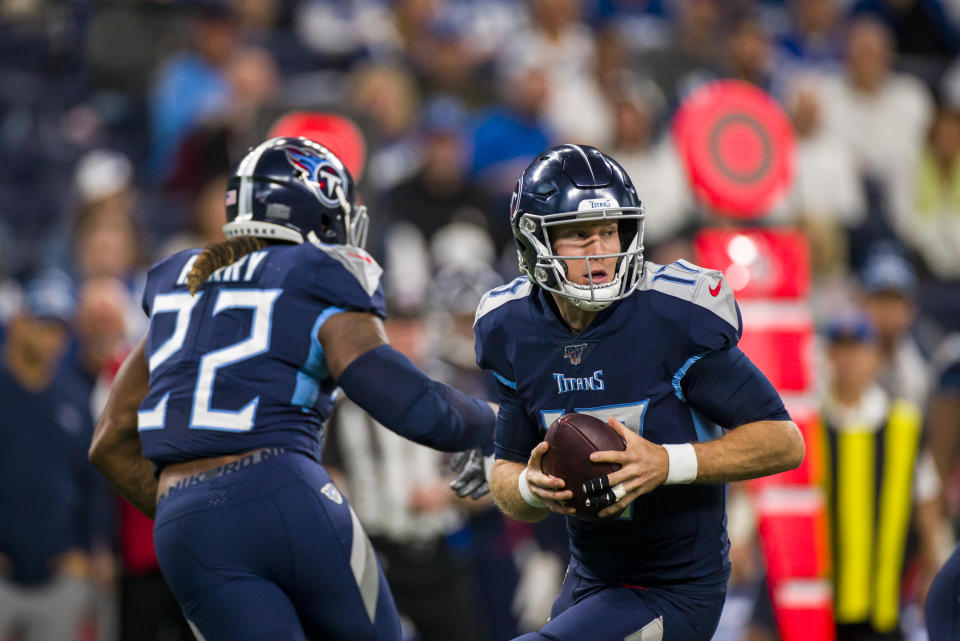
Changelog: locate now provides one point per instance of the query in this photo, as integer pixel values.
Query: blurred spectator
(920, 27)
(929, 222)
(449, 61)
(561, 45)
(105, 241)
(105, 175)
(208, 148)
(401, 497)
(872, 439)
(827, 198)
(455, 292)
(341, 31)
(263, 25)
(882, 116)
(641, 25)
(46, 512)
(102, 339)
(612, 61)
(508, 136)
(692, 50)
(890, 288)
(102, 334)
(386, 96)
(206, 223)
(192, 85)
(749, 52)
(441, 192)
(815, 38)
(651, 160)
(254, 81)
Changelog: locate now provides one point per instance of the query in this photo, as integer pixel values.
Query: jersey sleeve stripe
(684, 265)
(506, 381)
(495, 298)
(324, 317)
(677, 390)
(674, 279)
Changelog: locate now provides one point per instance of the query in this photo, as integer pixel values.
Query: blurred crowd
(119, 122)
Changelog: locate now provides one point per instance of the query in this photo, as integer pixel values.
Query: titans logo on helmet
(315, 169)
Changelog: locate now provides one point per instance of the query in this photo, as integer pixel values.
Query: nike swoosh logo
(370, 260)
(715, 290)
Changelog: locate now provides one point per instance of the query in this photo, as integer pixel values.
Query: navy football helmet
(575, 184)
(287, 188)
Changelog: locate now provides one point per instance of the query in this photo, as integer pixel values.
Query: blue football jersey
(628, 363)
(238, 365)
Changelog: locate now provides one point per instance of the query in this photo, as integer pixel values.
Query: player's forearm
(942, 421)
(389, 387)
(115, 449)
(506, 493)
(750, 451)
(123, 464)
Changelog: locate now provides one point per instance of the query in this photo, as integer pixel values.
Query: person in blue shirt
(652, 349)
(213, 424)
(48, 515)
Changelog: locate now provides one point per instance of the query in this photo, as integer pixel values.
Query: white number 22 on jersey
(204, 416)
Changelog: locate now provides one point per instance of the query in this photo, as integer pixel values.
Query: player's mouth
(597, 276)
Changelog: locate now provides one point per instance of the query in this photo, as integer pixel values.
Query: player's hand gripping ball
(572, 438)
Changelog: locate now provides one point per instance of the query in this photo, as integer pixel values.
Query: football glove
(473, 470)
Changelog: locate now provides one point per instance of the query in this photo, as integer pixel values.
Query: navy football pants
(272, 552)
(596, 610)
(943, 602)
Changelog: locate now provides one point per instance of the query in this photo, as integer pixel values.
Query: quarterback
(652, 349)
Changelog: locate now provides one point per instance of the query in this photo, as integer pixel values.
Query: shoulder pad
(706, 288)
(515, 290)
(357, 261)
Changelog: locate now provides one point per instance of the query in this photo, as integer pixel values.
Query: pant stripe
(195, 631)
(363, 563)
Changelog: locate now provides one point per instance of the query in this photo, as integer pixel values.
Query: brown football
(572, 438)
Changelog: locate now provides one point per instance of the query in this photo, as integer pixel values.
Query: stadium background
(120, 120)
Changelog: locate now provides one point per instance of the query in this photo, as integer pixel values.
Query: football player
(652, 349)
(213, 423)
(943, 599)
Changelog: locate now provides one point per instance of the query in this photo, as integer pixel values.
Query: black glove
(472, 469)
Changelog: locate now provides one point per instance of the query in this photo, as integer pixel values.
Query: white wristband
(681, 464)
(526, 493)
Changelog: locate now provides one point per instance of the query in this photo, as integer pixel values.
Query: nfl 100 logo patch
(575, 352)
